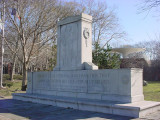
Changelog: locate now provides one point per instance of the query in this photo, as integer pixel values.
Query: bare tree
(35, 24)
(152, 47)
(105, 22)
(150, 4)
(146, 6)
(13, 41)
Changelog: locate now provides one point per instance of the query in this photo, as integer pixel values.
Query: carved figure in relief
(86, 34)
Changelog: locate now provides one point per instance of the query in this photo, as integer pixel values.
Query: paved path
(19, 110)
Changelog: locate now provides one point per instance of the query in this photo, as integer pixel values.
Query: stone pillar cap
(71, 19)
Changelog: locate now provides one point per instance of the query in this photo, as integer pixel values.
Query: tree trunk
(14, 59)
(24, 81)
(13, 68)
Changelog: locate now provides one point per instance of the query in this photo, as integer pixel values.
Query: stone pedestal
(117, 92)
(122, 85)
(135, 109)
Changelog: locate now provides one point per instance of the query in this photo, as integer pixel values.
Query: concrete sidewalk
(19, 110)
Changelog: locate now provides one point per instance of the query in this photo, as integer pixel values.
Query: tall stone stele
(74, 45)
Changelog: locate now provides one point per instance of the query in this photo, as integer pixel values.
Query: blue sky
(139, 27)
(144, 26)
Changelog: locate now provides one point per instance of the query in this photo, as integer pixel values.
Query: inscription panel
(69, 52)
(103, 81)
(97, 83)
(41, 80)
(108, 82)
(69, 81)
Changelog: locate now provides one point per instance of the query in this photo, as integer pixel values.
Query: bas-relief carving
(86, 35)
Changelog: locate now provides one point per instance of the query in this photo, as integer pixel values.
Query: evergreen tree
(52, 61)
(104, 59)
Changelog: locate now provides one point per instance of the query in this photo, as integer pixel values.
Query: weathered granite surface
(74, 44)
(123, 85)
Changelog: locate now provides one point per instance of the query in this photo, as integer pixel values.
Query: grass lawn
(152, 91)
(16, 88)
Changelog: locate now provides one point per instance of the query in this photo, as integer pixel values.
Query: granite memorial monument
(77, 83)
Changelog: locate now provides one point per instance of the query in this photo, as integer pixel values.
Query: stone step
(136, 109)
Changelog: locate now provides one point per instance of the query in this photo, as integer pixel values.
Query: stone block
(67, 94)
(136, 109)
(90, 66)
(74, 43)
(48, 92)
(29, 82)
(83, 106)
(115, 97)
(89, 96)
(116, 85)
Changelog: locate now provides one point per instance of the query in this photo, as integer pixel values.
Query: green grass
(16, 88)
(152, 91)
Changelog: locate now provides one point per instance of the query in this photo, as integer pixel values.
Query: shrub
(8, 83)
(6, 77)
(17, 77)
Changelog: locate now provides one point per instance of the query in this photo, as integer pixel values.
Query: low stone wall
(124, 85)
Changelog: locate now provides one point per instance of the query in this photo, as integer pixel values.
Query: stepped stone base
(136, 109)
